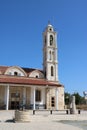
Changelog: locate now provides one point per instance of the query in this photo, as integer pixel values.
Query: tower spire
(48, 22)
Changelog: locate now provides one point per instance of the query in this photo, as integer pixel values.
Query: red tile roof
(27, 70)
(26, 81)
(3, 69)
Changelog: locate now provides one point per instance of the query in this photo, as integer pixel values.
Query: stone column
(7, 98)
(34, 98)
(73, 106)
(5, 95)
(56, 95)
(24, 96)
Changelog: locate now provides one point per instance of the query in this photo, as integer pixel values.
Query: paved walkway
(40, 121)
(37, 126)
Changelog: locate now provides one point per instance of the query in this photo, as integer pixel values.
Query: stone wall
(61, 98)
(52, 93)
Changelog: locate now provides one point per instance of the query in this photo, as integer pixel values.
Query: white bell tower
(50, 62)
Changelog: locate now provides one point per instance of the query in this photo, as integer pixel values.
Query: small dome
(49, 25)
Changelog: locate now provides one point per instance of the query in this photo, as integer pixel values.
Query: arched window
(45, 72)
(51, 40)
(16, 73)
(50, 29)
(52, 71)
(50, 55)
(53, 56)
(36, 76)
(45, 40)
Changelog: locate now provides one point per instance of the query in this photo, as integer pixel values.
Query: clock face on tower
(51, 40)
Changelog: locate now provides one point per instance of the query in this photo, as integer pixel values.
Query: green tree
(67, 98)
(79, 99)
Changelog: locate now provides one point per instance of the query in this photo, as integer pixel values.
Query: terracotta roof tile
(3, 69)
(26, 81)
(27, 70)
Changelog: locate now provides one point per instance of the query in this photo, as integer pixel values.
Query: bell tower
(50, 62)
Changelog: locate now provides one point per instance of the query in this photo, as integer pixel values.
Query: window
(38, 96)
(45, 72)
(50, 55)
(36, 76)
(53, 56)
(50, 29)
(52, 101)
(45, 40)
(51, 40)
(15, 73)
(52, 71)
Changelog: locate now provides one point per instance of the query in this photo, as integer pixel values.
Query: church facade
(34, 88)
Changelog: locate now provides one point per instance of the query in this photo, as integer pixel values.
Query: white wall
(14, 69)
(36, 73)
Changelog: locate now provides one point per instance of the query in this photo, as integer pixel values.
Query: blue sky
(21, 25)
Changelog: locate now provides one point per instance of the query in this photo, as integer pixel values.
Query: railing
(51, 111)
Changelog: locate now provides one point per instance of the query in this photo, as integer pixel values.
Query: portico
(31, 97)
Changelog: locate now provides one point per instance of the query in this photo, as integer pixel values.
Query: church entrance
(15, 100)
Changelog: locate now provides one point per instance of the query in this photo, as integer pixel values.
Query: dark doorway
(14, 105)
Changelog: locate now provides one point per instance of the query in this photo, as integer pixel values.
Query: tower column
(56, 95)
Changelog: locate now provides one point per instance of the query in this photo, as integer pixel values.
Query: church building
(34, 88)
